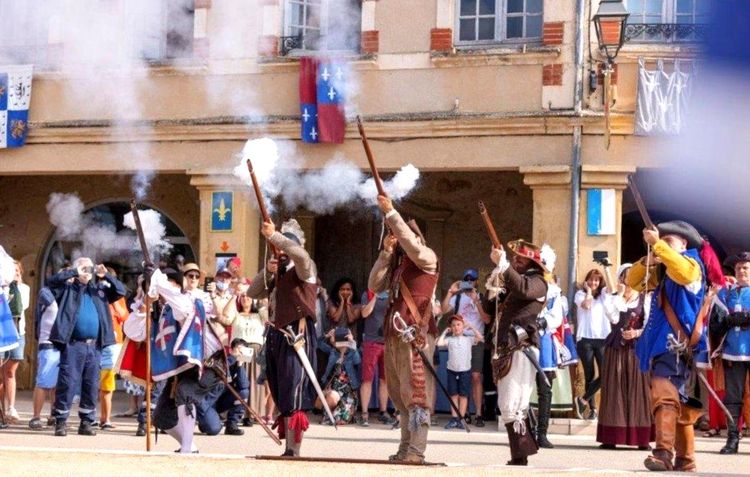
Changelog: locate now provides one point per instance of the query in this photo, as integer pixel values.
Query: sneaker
(60, 429)
(35, 423)
(385, 418)
(592, 415)
(233, 429)
(453, 423)
(364, 420)
(247, 422)
(580, 406)
(459, 425)
(478, 421)
(12, 416)
(86, 429)
(106, 426)
(141, 431)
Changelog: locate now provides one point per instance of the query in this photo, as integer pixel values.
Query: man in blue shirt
(82, 328)
(733, 329)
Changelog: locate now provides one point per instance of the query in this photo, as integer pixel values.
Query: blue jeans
(221, 400)
(80, 364)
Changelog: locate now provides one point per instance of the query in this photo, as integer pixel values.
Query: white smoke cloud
(339, 183)
(100, 240)
(141, 183)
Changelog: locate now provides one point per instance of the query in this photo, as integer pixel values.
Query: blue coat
(686, 302)
(737, 343)
(68, 295)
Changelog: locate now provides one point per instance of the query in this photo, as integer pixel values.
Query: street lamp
(609, 22)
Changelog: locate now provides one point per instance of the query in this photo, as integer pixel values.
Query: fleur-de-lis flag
(15, 97)
(321, 89)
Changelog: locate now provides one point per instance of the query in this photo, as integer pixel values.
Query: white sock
(186, 424)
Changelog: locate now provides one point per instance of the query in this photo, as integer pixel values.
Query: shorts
(373, 354)
(477, 358)
(15, 354)
(48, 364)
(459, 383)
(107, 380)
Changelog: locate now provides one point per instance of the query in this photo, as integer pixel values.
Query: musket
(488, 225)
(370, 158)
(221, 372)
(639, 203)
(261, 204)
(147, 301)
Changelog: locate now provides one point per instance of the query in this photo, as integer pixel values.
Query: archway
(127, 264)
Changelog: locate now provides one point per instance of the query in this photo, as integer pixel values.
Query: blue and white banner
(601, 212)
(15, 97)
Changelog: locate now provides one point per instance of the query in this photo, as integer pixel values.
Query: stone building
(478, 94)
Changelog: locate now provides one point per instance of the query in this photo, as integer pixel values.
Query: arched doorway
(59, 254)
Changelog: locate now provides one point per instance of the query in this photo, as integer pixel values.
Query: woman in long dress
(625, 414)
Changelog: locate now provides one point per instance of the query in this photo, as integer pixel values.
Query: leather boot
(665, 408)
(545, 407)
(733, 438)
(685, 439)
(521, 445)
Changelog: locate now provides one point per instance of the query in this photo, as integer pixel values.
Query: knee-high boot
(545, 408)
(685, 439)
(665, 407)
(521, 442)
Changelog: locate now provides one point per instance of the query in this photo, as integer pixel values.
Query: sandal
(712, 433)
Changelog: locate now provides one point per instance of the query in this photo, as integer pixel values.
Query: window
(23, 32)
(667, 20)
(164, 28)
(323, 25)
(488, 21)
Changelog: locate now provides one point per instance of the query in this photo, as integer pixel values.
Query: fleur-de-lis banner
(321, 88)
(15, 97)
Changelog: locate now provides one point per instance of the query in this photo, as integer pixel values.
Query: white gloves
(498, 256)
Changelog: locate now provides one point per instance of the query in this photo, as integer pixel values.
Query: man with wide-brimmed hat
(517, 329)
(733, 330)
(676, 262)
(409, 269)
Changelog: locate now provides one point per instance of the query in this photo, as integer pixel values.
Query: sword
(521, 335)
(409, 336)
(678, 348)
(297, 341)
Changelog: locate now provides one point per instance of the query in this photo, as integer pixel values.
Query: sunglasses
(193, 276)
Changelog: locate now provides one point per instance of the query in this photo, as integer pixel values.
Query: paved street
(482, 452)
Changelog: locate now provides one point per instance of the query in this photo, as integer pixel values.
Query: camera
(341, 336)
(602, 258)
(465, 286)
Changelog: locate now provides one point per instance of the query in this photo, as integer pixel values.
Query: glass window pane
(534, 6)
(515, 6)
(653, 6)
(467, 30)
(313, 17)
(652, 19)
(468, 7)
(534, 26)
(486, 29)
(487, 7)
(684, 6)
(297, 13)
(635, 7)
(514, 27)
(684, 19)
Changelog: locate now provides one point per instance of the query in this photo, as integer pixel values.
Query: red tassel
(714, 273)
(298, 423)
(279, 422)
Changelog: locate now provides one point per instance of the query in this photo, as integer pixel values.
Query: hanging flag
(15, 96)
(601, 211)
(321, 88)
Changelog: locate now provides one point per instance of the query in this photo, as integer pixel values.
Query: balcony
(665, 32)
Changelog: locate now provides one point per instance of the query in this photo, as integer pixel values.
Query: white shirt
(468, 310)
(25, 291)
(593, 323)
(459, 352)
(46, 322)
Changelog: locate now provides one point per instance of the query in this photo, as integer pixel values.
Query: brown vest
(422, 286)
(295, 299)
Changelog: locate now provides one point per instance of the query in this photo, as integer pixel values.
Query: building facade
(477, 94)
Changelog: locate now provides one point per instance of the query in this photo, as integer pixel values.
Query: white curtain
(663, 99)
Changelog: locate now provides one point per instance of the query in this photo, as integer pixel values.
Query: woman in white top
(593, 325)
(15, 356)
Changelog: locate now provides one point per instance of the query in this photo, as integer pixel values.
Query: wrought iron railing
(665, 32)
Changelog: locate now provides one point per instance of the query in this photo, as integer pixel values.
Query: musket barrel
(639, 203)
(488, 225)
(370, 158)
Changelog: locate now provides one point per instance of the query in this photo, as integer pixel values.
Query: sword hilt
(407, 333)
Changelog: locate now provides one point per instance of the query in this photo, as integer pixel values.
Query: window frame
(501, 16)
(161, 42)
(668, 16)
(323, 26)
